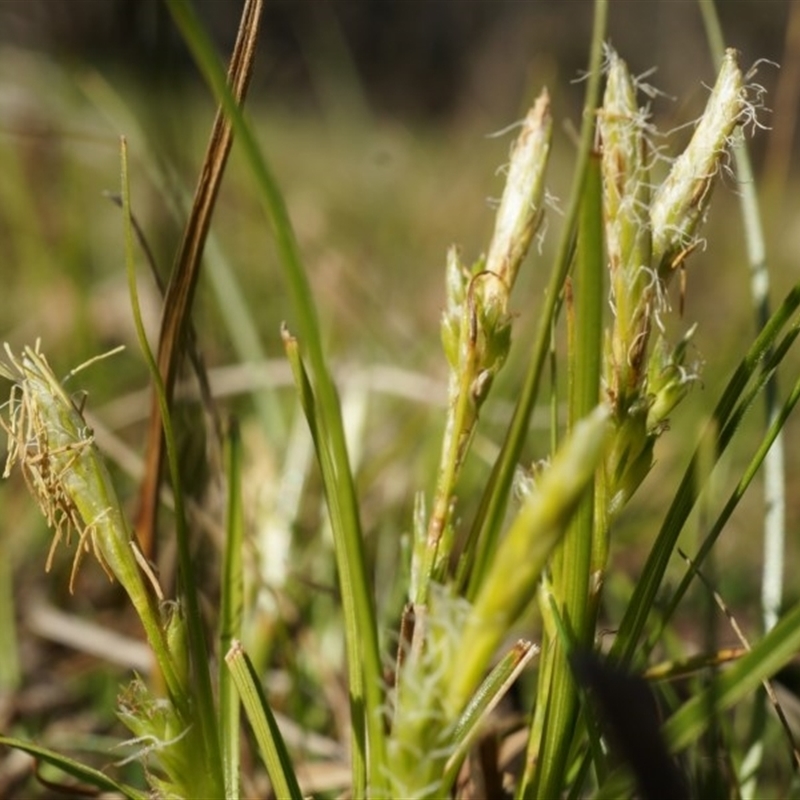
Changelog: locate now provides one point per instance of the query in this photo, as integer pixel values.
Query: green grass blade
(69, 766)
(202, 699)
(318, 427)
(774, 467)
(585, 363)
(489, 518)
(732, 686)
(270, 742)
(774, 502)
(572, 561)
(647, 586)
(236, 314)
(231, 611)
(491, 691)
(752, 468)
(364, 667)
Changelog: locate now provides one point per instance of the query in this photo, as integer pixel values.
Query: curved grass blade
(364, 667)
(201, 688)
(774, 483)
(491, 691)
(647, 586)
(363, 660)
(317, 425)
(69, 766)
(774, 501)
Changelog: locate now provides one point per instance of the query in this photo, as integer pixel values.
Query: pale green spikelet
(668, 379)
(422, 729)
(168, 747)
(520, 210)
(626, 201)
(50, 440)
(476, 329)
(457, 278)
(647, 240)
(681, 202)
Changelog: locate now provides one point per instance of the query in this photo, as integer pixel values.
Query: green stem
(231, 610)
(488, 520)
(774, 467)
(363, 659)
(571, 565)
(202, 692)
(647, 586)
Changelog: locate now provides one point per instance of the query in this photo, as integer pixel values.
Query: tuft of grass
(426, 685)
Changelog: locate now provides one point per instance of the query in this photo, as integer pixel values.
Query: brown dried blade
(185, 271)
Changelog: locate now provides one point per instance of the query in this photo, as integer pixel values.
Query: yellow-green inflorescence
(649, 235)
(50, 440)
(476, 328)
(476, 335)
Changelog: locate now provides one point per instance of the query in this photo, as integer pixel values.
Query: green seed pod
(668, 379)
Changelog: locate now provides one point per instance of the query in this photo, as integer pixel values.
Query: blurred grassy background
(375, 118)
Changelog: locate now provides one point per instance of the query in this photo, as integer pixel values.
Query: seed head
(54, 447)
(681, 202)
(520, 209)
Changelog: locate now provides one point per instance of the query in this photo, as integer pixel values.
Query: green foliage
(474, 574)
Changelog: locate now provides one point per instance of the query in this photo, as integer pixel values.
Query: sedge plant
(541, 552)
